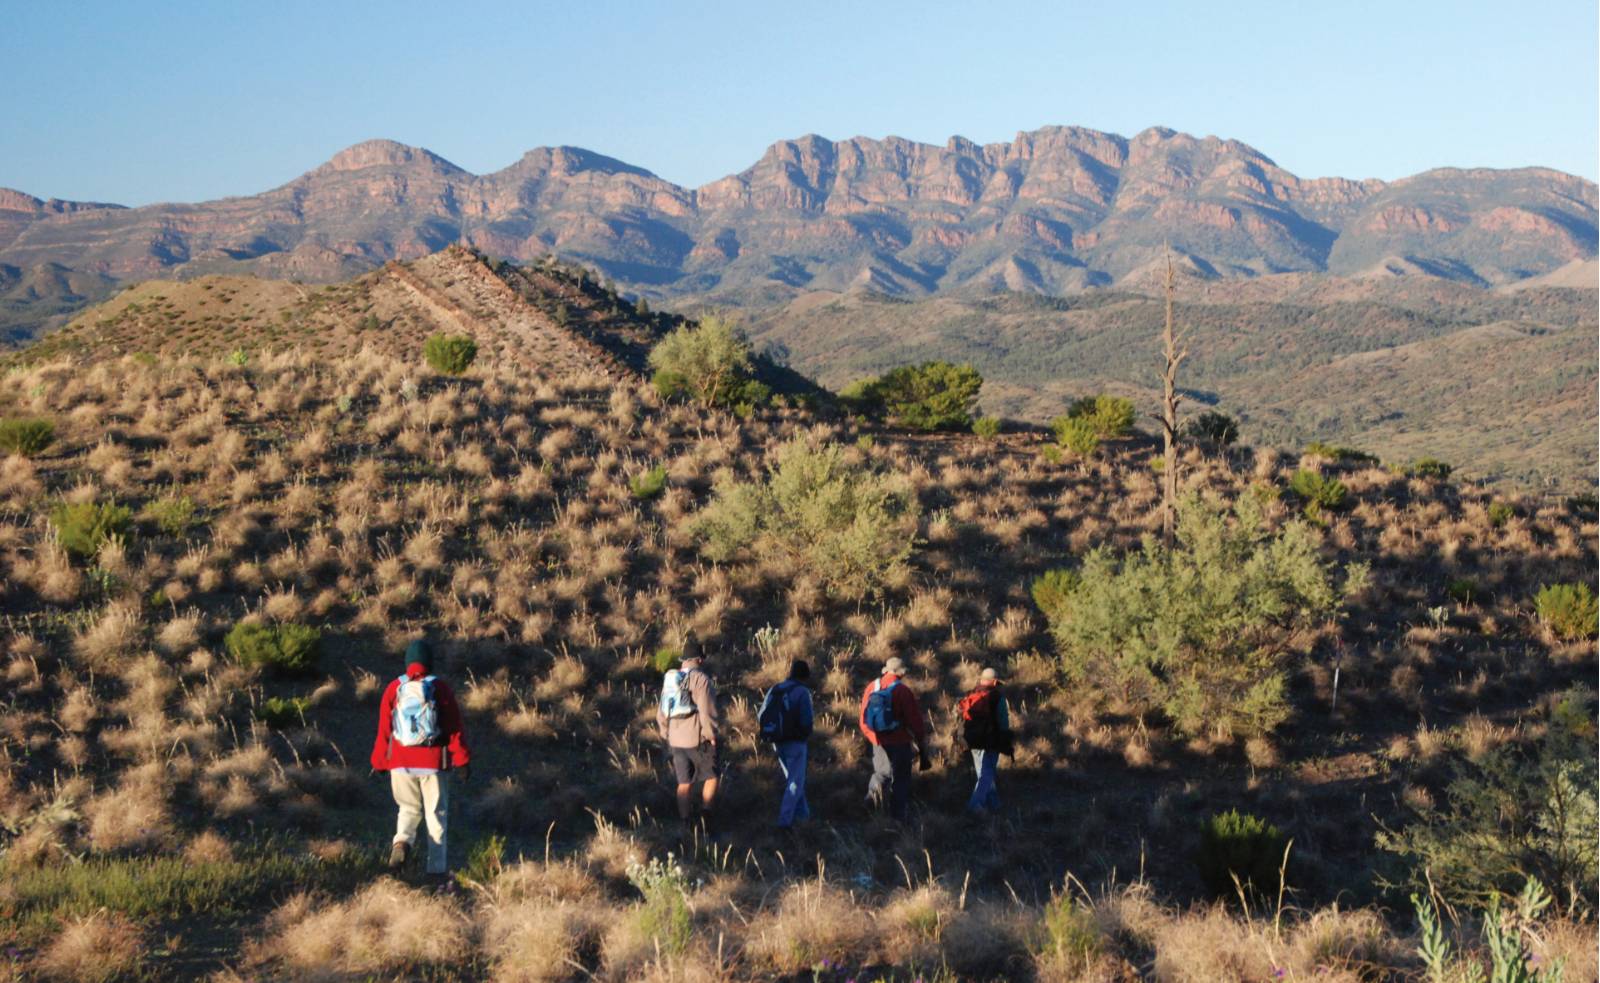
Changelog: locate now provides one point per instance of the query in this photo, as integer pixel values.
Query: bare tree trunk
(1173, 356)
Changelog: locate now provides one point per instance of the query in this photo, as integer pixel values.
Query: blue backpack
(880, 710)
(416, 715)
(779, 721)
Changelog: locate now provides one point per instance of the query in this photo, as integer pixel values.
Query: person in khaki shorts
(420, 740)
(686, 715)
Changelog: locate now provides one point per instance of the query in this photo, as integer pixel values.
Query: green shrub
(666, 657)
(1079, 436)
(817, 511)
(709, 361)
(987, 427)
(485, 861)
(1317, 489)
(1568, 610)
(280, 712)
(27, 436)
(663, 916)
(1500, 513)
(172, 514)
(1213, 427)
(83, 527)
(239, 358)
(1511, 959)
(1052, 589)
(1237, 845)
(288, 648)
(1520, 810)
(1110, 416)
(1463, 590)
(1068, 937)
(1199, 631)
(1430, 467)
(934, 395)
(649, 484)
(451, 354)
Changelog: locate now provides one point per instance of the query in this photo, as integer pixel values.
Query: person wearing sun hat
(892, 721)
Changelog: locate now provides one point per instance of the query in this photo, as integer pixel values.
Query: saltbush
(935, 395)
(1110, 416)
(290, 649)
(1077, 435)
(663, 916)
(820, 512)
(26, 436)
(709, 361)
(1237, 850)
(649, 484)
(1200, 631)
(1213, 427)
(83, 527)
(451, 354)
(1568, 610)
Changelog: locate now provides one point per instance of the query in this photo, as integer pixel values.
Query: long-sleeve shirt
(800, 699)
(906, 710)
(699, 727)
(450, 751)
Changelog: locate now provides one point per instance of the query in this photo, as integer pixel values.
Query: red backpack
(980, 719)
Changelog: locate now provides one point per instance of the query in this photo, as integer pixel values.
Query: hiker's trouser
(892, 766)
(792, 759)
(422, 797)
(984, 795)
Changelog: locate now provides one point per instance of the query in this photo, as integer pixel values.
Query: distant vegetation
(934, 395)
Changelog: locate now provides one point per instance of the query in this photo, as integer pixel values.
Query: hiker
(892, 722)
(786, 720)
(986, 726)
(687, 718)
(419, 739)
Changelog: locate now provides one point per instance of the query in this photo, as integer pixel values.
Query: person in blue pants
(987, 722)
(786, 720)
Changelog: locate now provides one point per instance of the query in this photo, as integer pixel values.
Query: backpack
(779, 722)
(880, 716)
(676, 700)
(980, 720)
(416, 715)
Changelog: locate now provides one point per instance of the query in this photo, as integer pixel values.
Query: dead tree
(1174, 354)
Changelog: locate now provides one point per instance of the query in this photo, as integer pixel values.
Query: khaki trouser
(422, 797)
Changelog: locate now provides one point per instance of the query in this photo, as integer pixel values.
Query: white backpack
(676, 701)
(416, 715)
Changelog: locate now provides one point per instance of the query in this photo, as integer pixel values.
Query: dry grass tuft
(96, 948)
(385, 928)
(812, 921)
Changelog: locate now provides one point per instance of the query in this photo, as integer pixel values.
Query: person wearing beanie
(892, 721)
(986, 726)
(419, 740)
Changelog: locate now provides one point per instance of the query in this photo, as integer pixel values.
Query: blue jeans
(984, 795)
(792, 760)
(892, 765)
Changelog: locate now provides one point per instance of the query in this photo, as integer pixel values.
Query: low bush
(1342, 455)
(934, 395)
(1079, 436)
(1430, 467)
(1068, 939)
(1239, 850)
(1109, 416)
(649, 484)
(1052, 589)
(172, 514)
(1500, 513)
(1214, 428)
(27, 436)
(83, 527)
(664, 914)
(665, 657)
(848, 525)
(1511, 959)
(1463, 590)
(709, 361)
(282, 712)
(290, 649)
(1319, 492)
(987, 427)
(450, 354)
(1569, 611)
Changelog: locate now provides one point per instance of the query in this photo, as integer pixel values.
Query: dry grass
(96, 948)
(385, 928)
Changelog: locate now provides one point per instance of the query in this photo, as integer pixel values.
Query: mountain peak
(383, 153)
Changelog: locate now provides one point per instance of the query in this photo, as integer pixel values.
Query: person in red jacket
(419, 739)
(892, 731)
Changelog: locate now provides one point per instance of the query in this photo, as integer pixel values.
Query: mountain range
(1055, 210)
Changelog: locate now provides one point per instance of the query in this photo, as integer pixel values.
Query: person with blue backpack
(786, 721)
(892, 721)
(419, 741)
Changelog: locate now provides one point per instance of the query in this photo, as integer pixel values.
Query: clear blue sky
(140, 102)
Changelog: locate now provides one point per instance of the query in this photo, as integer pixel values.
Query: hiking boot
(398, 854)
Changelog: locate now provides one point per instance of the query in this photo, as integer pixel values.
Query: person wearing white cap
(986, 725)
(892, 721)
